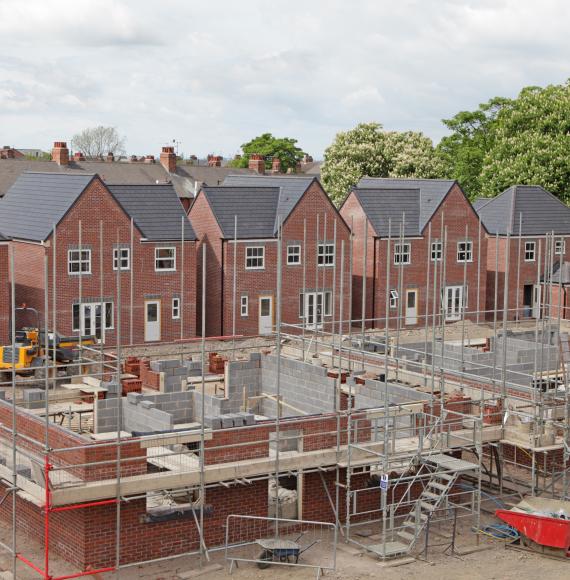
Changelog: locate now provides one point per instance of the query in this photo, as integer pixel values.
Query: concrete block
(255, 356)
(237, 419)
(170, 364)
(155, 365)
(134, 398)
(248, 418)
(213, 422)
(227, 422)
(147, 404)
(180, 372)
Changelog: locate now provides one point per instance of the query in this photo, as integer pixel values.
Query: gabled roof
(292, 189)
(255, 208)
(541, 212)
(385, 209)
(156, 211)
(37, 201)
(432, 193)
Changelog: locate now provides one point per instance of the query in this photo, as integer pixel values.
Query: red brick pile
(216, 363)
(131, 386)
(148, 377)
(132, 366)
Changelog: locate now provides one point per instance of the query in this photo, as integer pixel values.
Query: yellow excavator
(33, 345)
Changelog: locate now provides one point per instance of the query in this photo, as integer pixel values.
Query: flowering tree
(369, 150)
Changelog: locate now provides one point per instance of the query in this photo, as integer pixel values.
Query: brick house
(310, 259)
(89, 233)
(520, 219)
(4, 290)
(414, 218)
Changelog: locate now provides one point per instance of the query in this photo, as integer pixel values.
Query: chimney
(60, 153)
(276, 165)
(168, 159)
(110, 157)
(149, 159)
(215, 160)
(257, 164)
(78, 156)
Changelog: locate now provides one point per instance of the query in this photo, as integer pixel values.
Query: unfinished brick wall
(5, 293)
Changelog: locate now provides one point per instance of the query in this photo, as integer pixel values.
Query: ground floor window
(93, 318)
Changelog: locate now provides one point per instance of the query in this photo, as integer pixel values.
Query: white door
(93, 321)
(536, 299)
(265, 314)
(411, 307)
(152, 320)
(314, 310)
(453, 302)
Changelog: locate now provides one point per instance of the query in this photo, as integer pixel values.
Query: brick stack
(216, 363)
(132, 366)
(131, 386)
(149, 378)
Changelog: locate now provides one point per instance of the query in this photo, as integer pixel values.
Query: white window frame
(176, 308)
(436, 251)
(402, 253)
(294, 257)
(244, 306)
(467, 251)
(124, 258)
(325, 255)
(327, 303)
(79, 260)
(530, 249)
(259, 263)
(109, 320)
(560, 247)
(157, 259)
(394, 299)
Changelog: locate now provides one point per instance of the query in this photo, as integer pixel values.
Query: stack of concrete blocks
(230, 420)
(34, 399)
(304, 386)
(113, 389)
(162, 412)
(194, 368)
(173, 374)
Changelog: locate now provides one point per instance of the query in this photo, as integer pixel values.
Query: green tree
(369, 150)
(268, 147)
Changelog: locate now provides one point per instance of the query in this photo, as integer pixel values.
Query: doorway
(152, 321)
(411, 307)
(265, 315)
(454, 302)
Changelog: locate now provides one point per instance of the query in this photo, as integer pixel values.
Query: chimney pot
(60, 153)
(149, 159)
(168, 159)
(110, 157)
(276, 165)
(257, 163)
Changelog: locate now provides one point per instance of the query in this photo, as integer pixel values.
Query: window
(255, 258)
(165, 259)
(244, 306)
(328, 303)
(325, 255)
(75, 323)
(91, 312)
(529, 251)
(464, 251)
(301, 305)
(176, 308)
(436, 251)
(293, 255)
(393, 298)
(109, 322)
(560, 247)
(402, 253)
(79, 262)
(123, 254)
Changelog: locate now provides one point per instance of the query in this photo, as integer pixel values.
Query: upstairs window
(325, 255)
(165, 259)
(529, 251)
(464, 251)
(79, 262)
(560, 247)
(124, 256)
(293, 255)
(402, 253)
(436, 251)
(255, 258)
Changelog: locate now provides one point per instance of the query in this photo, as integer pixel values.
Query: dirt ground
(492, 562)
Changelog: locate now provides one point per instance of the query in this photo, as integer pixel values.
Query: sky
(213, 75)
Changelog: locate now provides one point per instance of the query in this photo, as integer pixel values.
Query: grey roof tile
(386, 208)
(37, 201)
(291, 188)
(255, 208)
(537, 210)
(432, 192)
(156, 210)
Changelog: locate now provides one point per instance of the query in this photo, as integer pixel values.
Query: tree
(268, 147)
(504, 142)
(98, 141)
(369, 150)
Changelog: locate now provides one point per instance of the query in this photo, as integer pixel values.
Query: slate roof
(37, 201)
(385, 209)
(206, 175)
(255, 208)
(156, 211)
(564, 271)
(3, 238)
(291, 189)
(541, 212)
(432, 193)
(116, 172)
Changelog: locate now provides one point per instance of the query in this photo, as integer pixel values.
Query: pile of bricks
(132, 366)
(89, 397)
(493, 414)
(131, 386)
(216, 363)
(149, 378)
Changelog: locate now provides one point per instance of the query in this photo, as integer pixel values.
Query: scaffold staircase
(444, 472)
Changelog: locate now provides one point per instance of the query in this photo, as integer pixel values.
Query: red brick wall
(96, 205)
(5, 293)
(455, 212)
(519, 269)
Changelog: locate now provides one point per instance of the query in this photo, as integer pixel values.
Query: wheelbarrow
(540, 527)
(284, 551)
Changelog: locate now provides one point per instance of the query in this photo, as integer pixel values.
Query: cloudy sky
(214, 74)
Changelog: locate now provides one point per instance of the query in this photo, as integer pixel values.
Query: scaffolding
(400, 466)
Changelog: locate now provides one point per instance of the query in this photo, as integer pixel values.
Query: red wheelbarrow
(543, 525)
